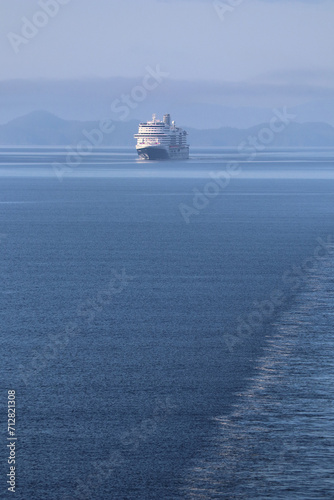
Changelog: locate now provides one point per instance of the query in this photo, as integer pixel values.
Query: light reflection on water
(278, 442)
(105, 163)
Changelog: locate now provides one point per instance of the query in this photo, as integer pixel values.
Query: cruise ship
(161, 140)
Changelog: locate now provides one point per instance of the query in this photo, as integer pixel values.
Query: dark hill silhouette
(42, 128)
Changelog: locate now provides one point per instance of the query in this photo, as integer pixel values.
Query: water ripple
(278, 443)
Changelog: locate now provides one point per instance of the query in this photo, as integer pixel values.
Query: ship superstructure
(161, 140)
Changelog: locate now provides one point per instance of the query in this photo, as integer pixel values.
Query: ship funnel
(166, 119)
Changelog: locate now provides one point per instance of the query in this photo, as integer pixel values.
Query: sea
(167, 328)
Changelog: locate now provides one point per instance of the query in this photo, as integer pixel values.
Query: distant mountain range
(41, 128)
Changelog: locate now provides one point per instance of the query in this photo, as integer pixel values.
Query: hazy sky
(104, 38)
(261, 52)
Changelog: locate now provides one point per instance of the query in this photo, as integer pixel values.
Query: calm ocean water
(162, 344)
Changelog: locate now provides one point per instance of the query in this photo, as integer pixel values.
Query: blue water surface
(164, 344)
